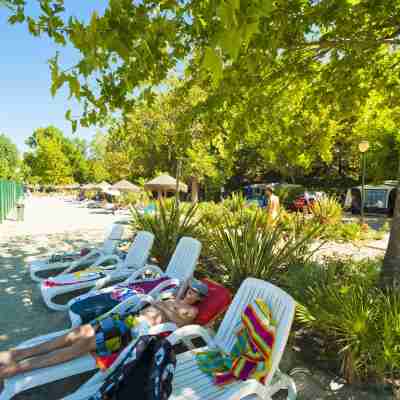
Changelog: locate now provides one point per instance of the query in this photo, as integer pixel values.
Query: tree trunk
(195, 190)
(390, 274)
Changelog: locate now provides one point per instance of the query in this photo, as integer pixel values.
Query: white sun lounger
(121, 269)
(45, 268)
(180, 269)
(190, 248)
(43, 376)
(190, 383)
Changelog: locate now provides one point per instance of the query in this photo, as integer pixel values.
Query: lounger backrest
(281, 305)
(139, 251)
(112, 240)
(183, 262)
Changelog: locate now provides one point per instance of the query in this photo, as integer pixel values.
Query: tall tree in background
(98, 170)
(46, 161)
(9, 160)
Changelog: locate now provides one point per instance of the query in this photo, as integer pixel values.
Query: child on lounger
(103, 336)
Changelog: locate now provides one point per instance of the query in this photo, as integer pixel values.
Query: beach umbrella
(103, 185)
(164, 183)
(112, 192)
(125, 186)
(90, 186)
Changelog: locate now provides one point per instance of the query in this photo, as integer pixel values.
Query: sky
(25, 100)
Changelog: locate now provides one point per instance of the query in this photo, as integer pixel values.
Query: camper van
(377, 199)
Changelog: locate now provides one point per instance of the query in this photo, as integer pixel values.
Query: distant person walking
(273, 204)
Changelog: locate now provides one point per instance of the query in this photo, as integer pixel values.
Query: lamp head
(363, 146)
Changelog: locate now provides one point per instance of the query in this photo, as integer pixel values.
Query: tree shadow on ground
(23, 313)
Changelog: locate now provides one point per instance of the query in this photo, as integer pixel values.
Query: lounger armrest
(162, 328)
(190, 331)
(83, 259)
(162, 286)
(149, 267)
(109, 257)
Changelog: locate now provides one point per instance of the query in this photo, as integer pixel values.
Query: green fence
(10, 193)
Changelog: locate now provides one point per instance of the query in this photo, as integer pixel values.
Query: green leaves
(213, 63)
(168, 223)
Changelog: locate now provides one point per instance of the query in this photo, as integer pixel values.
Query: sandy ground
(50, 225)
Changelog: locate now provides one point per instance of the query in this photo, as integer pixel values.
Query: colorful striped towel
(251, 354)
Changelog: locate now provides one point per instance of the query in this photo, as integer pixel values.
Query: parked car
(378, 199)
(305, 201)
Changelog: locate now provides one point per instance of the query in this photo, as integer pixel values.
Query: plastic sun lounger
(190, 383)
(210, 309)
(98, 274)
(45, 268)
(180, 269)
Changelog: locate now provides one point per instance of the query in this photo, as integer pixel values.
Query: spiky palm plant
(327, 210)
(346, 317)
(254, 248)
(168, 223)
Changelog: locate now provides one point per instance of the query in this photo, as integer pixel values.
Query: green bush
(346, 232)
(301, 277)
(288, 193)
(168, 223)
(353, 231)
(133, 199)
(255, 248)
(211, 213)
(327, 210)
(340, 303)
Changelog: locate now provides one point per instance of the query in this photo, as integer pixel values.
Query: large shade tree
(342, 49)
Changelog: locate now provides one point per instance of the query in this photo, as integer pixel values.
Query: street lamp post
(363, 147)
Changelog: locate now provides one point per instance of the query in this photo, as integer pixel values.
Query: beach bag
(146, 373)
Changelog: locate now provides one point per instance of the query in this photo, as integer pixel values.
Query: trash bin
(20, 211)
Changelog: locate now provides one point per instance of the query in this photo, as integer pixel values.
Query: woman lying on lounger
(103, 336)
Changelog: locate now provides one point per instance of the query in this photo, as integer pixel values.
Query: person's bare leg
(84, 344)
(66, 340)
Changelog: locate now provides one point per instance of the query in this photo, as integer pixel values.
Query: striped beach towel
(250, 357)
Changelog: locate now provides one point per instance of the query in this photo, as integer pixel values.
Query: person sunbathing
(103, 336)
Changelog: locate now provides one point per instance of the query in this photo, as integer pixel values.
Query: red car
(304, 202)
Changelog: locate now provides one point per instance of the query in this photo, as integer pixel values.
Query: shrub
(255, 248)
(288, 193)
(133, 199)
(301, 277)
(327, 210)
(235, 203)
(211, 213)
(168, 223)
(346, 232)
(340, 303)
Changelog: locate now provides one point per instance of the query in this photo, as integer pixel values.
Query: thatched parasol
(164, 183)
(90, 186)
(125, 186)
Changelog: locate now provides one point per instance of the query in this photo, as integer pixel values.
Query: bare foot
(6, 357)
(8, 370)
